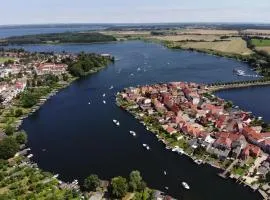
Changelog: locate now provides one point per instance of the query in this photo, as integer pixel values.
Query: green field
(4, 59)
(261, 42)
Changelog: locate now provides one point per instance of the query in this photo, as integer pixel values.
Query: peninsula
(191, 120)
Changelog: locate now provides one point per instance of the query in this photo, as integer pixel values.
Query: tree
(21, 137)
(135, 180)
(2, 99)
(65, 77)
(8, 147)
(18, 112)
(33, 83)
(267, 177)
(91, 183)
(28, 99)
(119, 187)
(9, 129)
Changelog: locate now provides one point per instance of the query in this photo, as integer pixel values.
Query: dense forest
(68, 37)
(88, 63)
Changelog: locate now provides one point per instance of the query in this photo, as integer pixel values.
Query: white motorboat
(198, 162)
(111, 87)
(117, 123)
(166, 188)
(114, 121)
(147, 147)
(132, 133)
(239, 72)
(144, 145)
(104, 101)
(30, 156)
(89, 103)
(104, 95)
(56, 175)
(165, 173)
(185, 185)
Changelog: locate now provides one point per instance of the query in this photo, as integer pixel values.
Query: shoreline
(64, 185)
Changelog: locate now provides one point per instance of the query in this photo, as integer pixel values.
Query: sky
(138, 11)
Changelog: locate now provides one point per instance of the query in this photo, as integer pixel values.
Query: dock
(224, 174)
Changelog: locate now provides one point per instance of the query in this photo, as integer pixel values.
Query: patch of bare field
(234, 46)
(267, 49)
(208, 32)
(179, 38)
(256, 32)
(125, 33)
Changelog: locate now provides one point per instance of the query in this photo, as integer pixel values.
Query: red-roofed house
(223, 143)
(47, 68)
(250, 150)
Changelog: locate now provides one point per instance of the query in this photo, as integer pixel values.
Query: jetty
(224, 174)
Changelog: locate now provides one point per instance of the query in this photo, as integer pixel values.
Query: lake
(73, 138)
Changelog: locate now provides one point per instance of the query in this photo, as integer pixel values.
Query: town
(189, 119)
(27, 80)
(19, 69)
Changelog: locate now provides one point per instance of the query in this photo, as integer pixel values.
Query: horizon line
(128, 23)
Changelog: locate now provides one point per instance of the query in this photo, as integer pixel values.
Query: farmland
(261, 42)
(177, 38)
(266, 49)
(4, 59)
(233, 46)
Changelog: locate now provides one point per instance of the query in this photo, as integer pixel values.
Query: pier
(224, 174)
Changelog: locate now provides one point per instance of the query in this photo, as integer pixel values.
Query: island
(190, 120)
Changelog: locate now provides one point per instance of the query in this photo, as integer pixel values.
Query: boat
(146, 146)
(185, 185)
(30, 156)
(166, 188)
(239, 72)
(198, 162)
(89, 103)
(111, 87)
(114, 121)
(104, 101)
(138, 69)
(104, 95)
(165, 173)
(56, 175)
(118, 123)
(132, 133)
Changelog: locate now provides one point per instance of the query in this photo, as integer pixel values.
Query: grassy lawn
(261, 42)
(4, 59)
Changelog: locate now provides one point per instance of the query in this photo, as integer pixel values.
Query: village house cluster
(189, 109)
(19, 67)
